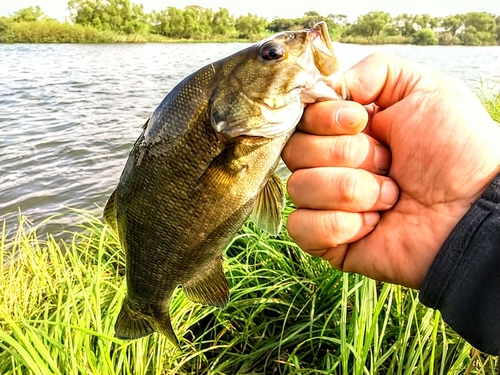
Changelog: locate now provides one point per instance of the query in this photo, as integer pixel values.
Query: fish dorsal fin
(131, 325)
(109, 213)
(271, 201)
(209, 286)
(145, 124)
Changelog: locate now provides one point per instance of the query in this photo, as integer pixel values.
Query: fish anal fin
(209, 287)
(109, 212)
(164, 325)
(270, 203)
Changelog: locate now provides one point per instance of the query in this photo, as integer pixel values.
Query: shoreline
(53, 32)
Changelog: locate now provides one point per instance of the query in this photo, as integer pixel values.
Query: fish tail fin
(164, 325)
(131, 325)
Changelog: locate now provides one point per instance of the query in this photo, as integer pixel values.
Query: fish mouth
(329, 68)
(319, 37)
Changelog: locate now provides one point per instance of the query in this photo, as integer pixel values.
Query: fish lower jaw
(338, 83)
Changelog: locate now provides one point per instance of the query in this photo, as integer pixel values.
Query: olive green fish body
(204, 162)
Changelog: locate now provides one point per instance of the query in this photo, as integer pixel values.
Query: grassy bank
(56, 32)
(289, 314)
(380, 39)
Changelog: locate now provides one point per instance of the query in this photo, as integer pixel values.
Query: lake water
(70, 113)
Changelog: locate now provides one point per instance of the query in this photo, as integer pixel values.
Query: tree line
(198, 23)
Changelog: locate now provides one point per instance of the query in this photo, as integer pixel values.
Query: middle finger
(345, 189)
(353, 151)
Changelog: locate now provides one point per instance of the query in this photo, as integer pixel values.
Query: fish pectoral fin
(221, 173)
(109, 212)
(271, 201)
(131, 325)
(209, 287)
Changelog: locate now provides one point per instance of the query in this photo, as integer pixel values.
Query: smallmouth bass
(204, 163)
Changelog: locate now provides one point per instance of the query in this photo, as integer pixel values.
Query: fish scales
(203, 164)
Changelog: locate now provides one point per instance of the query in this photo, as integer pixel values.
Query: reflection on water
(70, 113)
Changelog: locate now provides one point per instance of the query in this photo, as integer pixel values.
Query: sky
(286, 8)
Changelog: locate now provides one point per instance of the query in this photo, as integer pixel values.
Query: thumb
(383, 79)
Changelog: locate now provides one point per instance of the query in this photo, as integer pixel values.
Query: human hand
(445, 150)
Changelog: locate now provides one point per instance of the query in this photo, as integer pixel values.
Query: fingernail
(389, 192)
(382, 158)
(371, 218)
(346, 117)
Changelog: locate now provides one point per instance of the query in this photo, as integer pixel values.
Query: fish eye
(272, 51)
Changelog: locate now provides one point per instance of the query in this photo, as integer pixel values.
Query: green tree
(312, 18)
(447, 38)
(339, 24)
(176, 22)
(497, 21)
(223, 23)
(307, 21)
(281, 24)
(451, 24)
(480, 29)
(197, 22)
(405, 24)
(424, 21)
(469, 36)
(250, 26)
(116, 15)
(425, 37)
(29, 14)
(370, 24)
(339, 19)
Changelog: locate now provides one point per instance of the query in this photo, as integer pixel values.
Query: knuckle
(293, 224)
(349, 150)
(360, 188)
(291, 185)
(331, 226)
(351, 187)
(338, 228)
(288, 151)
(356, 149)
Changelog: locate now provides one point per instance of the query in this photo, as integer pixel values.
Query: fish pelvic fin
(271, 201)
(209, 286)
(132, 325)
(109, 213)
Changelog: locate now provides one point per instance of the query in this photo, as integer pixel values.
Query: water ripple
(69, 114)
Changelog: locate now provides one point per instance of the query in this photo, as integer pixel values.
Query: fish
(204, 162)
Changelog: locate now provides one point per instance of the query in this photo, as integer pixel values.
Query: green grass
(491, 102)
(289, 314)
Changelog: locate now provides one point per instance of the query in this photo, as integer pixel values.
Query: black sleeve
(463, 282)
